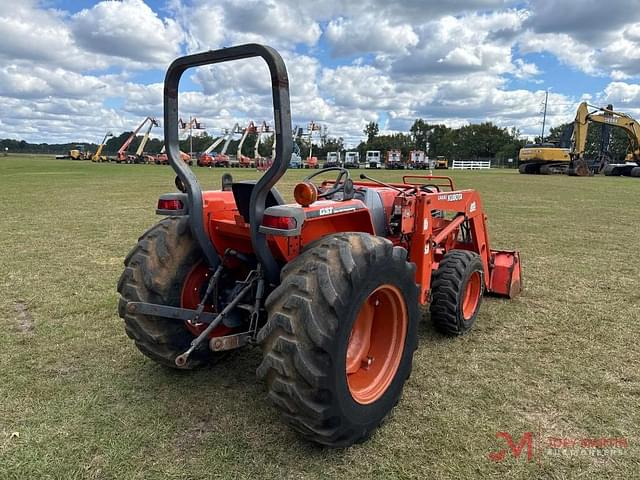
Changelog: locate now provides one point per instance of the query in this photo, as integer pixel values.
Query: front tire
(456, 292)
(339, 341)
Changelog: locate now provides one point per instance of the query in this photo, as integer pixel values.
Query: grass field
(79, 401)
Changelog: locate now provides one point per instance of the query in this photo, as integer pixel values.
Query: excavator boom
(604, 116)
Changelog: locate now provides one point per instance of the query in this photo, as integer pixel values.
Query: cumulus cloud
(584, 20)
(33, 35)
(459, 45)
(128, 29)
(622, 95)
(357, 36)
(453, 62)
(42, 82)
(264, 19)
(563, 47)
(598, 38)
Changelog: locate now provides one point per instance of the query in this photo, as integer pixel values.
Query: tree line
(484, 141)
(470, 142)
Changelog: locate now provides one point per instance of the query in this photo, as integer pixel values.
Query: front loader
(329, 286)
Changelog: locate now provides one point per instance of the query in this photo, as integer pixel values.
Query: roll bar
(283, 139)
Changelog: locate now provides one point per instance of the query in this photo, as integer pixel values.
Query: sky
(72, 70)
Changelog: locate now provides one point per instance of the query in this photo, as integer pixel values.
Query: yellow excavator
(543, 158)
(98, 157)
(606, 116)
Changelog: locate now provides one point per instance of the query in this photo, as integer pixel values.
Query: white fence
(470, 165)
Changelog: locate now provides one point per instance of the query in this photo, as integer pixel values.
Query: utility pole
(191, 136)
(544, 115)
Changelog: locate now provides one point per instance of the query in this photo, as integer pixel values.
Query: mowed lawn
(79, 401)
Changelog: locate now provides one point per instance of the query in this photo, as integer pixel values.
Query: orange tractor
(329, 286)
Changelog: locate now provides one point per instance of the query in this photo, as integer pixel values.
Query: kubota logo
(513, 448)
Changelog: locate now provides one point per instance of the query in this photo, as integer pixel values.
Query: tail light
(170, 204)
(280, 223)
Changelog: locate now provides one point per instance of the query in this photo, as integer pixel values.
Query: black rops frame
(284, 146)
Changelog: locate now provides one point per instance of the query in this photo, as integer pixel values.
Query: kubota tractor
(329, 286)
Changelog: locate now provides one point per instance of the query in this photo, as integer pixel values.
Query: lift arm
(98, 153)
(216, 143)
(122, 152)
(312, 127)
(251, 128)
(264, 128)
(234, 130)
(145, 139)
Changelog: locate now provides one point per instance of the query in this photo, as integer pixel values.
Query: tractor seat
(242, 195)
(371, 198)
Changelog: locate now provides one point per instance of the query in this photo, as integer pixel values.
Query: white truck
(418, 160)
(352, 160)
(333, 160)
(373, 159)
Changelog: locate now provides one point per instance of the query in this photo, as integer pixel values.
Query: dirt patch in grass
(25, 320)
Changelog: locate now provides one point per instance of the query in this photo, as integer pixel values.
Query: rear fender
(326, 217)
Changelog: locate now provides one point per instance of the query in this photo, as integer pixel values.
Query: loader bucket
(505, 275)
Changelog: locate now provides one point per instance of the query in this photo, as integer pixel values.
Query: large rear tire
(456, 292)
(155, 272)
(339, 341)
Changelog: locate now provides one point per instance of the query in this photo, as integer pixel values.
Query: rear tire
(312, 314)
(155, 271)
(456, 292)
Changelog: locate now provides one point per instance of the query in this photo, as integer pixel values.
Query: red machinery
(122, 155)
(206, 159)
(262, 163)
(243, 160)
(163, 159)
(330, 286)
(311, 161)
(222, 159)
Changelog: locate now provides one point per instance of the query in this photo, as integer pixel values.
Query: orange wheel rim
(471, 296)
(376, 344)
(193, 288)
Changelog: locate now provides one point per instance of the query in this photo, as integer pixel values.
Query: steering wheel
(428, 188)
(338, 184)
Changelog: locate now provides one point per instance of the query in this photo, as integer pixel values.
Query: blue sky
(71, 70)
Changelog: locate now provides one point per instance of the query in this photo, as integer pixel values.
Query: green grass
(563, 357)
